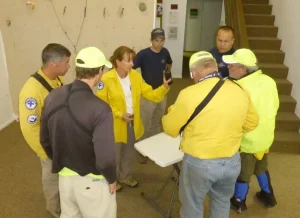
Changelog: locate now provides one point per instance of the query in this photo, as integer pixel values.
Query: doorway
(203, 17)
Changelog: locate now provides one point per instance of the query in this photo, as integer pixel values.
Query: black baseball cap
(157, 32)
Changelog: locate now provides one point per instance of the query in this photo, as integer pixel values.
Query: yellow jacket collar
(113, 74)
(250, 77)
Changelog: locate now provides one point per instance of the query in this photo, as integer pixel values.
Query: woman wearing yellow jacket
(122, 88)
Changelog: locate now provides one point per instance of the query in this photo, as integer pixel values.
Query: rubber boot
(266, 195)
(238, 201)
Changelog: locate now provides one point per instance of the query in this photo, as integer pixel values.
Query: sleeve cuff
(110, 174)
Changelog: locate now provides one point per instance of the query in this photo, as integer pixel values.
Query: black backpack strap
(61, 83)
(73, 117)
(206, 100)
(41, 80)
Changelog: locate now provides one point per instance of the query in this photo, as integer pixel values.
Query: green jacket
(264, 95)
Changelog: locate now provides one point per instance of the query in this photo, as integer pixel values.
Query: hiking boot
(238, 205)
(143, 160)
(132, 183)
(268, 199)
(119, 187)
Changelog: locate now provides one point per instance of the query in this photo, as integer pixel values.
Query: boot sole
(130, 186)
(267, 205)
(240, 210)
(119, 190)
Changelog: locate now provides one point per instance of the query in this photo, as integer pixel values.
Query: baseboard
(297, 111)
(177, 76)
(13, 119)
(16, 117)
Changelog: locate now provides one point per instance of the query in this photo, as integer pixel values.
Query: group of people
(85, 140)
(229, 140)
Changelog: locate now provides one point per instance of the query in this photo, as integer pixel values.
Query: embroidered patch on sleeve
(100, 85)
(31, 103)
(32, 118)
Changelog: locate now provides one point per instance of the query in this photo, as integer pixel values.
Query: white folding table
(164, 151)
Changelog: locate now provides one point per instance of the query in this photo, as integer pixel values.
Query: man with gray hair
(55, 60)
(255, 145)
(211, 138)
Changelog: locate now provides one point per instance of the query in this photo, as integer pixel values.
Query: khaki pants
(126, 155)
(86, 197)
(151, 114)
(50, 186)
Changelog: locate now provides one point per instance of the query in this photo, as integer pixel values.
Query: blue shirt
(223, 69)
(152, 65)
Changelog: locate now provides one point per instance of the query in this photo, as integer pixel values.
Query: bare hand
(127, 117)
(166, 82)
(112, 188)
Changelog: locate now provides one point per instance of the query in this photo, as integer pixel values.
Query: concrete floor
(22, 197)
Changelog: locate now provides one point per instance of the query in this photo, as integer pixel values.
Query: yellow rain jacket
(264, 95)
(31, 104)
(111, 92)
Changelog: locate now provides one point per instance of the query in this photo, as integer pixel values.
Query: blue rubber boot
(238, 201)
(266, 195)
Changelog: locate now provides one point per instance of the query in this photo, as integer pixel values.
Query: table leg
(152, 201)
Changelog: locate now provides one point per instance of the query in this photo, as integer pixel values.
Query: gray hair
(206, 63)
(249, 69)
(54, 52)
(252, 68)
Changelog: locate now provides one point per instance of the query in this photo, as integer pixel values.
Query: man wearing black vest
(78, 136)
(55, 58)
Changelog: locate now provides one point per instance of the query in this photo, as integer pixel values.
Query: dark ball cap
(157, 32)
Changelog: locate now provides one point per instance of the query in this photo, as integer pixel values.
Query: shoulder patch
(31, 103)
(32, 118)
(100, 85)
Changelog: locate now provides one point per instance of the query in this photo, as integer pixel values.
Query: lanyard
(211, 75)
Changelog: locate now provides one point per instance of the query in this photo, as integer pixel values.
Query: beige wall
(287, 19)
(31, 30)
(6, 116)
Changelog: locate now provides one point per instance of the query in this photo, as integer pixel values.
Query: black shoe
(143, 160)
(268, 199)
(238, 205)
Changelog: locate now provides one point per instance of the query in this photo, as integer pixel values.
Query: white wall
(223, 21)
(6, 112)
(288, 20)
(175, 46)
(193, 26)
(31, 30)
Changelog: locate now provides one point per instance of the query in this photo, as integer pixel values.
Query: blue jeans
(216, 177)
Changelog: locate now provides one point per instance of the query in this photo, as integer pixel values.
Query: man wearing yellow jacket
(122, 88)
(255, 145)
(55, 58)
(211, 141)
